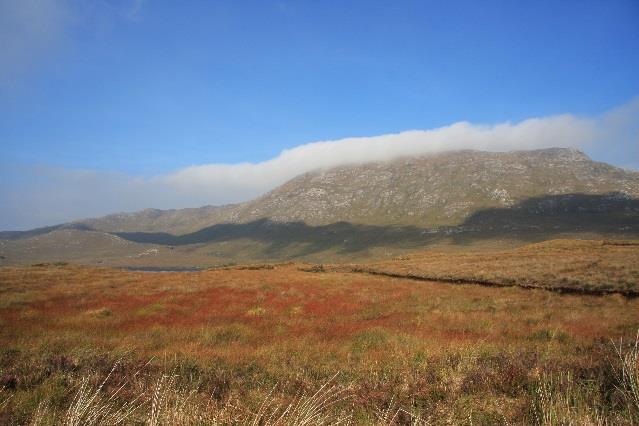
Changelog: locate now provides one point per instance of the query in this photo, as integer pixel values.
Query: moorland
(540, 334)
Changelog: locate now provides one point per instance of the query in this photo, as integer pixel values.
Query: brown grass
(229, 343)
(566, 265)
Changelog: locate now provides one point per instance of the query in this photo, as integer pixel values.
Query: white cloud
(237, 182)
(45, 196)
(564, 130)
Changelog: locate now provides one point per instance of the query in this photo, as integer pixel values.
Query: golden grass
(238, 344)
(566, 265)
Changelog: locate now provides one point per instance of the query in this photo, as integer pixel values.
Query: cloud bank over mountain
(534, 133)
(39, 196)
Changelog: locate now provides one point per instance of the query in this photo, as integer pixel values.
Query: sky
(109, 106)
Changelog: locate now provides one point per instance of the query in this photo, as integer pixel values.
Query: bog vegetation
(578, 266)
(303, 344)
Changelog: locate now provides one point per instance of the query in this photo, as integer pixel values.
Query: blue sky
(140, 90)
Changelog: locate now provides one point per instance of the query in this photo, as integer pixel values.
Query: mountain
(372, 209)
(436, 190)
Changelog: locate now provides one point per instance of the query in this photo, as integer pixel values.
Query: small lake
(162, 268)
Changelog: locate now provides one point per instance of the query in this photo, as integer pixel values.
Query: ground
(392, 350)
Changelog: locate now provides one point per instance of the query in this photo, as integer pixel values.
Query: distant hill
(369, 210)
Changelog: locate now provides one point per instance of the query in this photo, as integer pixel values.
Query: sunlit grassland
(232, 342)
(590, 266)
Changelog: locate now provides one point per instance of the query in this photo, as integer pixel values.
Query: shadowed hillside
(612, 215)
(609, 214)
(20, 235)
(532, 220)
(366, 210)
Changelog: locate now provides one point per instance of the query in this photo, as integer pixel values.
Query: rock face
(436, 190)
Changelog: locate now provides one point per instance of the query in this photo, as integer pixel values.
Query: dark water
(162, 268)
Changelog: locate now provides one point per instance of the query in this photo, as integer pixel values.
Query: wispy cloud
(29, 31)
(616, 138)
(32, 31)
(134, 10)
(43, 195)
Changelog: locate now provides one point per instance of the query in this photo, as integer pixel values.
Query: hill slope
(436, 190)
(427, 191)
(366, 209)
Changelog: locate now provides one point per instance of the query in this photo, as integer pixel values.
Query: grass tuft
(627, 376)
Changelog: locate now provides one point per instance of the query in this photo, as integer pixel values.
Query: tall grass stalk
(305, 410)
(627, 375)
(89, 407)
(170, 404)
(4, 398)
(559, 400)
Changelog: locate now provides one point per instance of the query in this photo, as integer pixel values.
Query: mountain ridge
(398, 204)
(306, 196)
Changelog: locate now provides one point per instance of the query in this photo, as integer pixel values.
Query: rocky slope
(436, 190)
(428, 191)
(405, 203)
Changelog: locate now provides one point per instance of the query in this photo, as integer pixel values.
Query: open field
(596, 267)
(240, 345)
